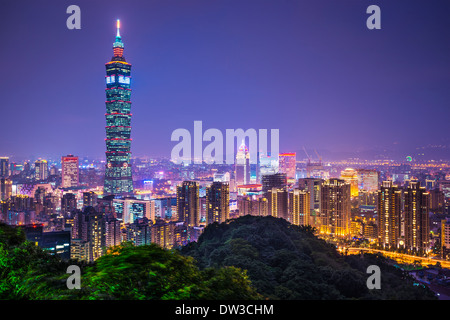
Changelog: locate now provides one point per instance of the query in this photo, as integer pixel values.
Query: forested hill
(284, 261)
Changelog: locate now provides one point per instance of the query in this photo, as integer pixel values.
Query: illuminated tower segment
(118, 179)
(242, 165)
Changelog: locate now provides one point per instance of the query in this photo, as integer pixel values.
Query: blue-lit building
(118, 177)
(55, 242)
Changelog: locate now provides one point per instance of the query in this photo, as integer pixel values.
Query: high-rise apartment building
(90, 199)
(188, 203)
(96, 230)
(299, 208)
(445, 238)
(254, 207)
(335, 208)
(278, 203)
(118, 175)
(217, 202)
(417, 222)
(139, 232)
(80, 250)
(437, 201)
(68, 204)
(163, 233)
(389, 215)
(313, 186)
(5, 189)
(90, 226)
(113, 232)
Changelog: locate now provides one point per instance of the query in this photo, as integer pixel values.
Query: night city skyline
(334, 85)
(231, 153)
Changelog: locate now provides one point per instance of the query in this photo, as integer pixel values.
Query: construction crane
(309, 158)
(318, 156)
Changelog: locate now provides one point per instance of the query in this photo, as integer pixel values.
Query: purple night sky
(309, 68)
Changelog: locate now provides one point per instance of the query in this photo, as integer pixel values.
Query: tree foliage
(284, 261)
(125, 272)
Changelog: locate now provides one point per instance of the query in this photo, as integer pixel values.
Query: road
(401, 257)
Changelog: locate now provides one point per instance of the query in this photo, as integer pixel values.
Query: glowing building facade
(118, 177)
(350, 175)
(287, 164)
(299, 207)
(242, 165)
(417, 221)
(335, 213)
(70, 173)
(41, 170)
(368, 180)
(188, 203)
(389, 215)
(217, 202)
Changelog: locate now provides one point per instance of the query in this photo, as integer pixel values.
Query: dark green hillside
(284, 261)
(126, 272)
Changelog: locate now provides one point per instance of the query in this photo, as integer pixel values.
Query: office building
(4, 167)
(41, 170)
(287, 164)
(118, 175)
(242, 165)
(129, 209)
(267, 164)
(277, 180)
(368, 180)
(350, 176)
(57, 243)
(69, 173)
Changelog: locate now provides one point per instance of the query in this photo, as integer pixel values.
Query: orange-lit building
(351, 176)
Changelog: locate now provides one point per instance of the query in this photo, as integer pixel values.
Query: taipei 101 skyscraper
(118, 178)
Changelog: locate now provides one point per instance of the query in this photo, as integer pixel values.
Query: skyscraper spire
(118, 174)
(118, 45)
